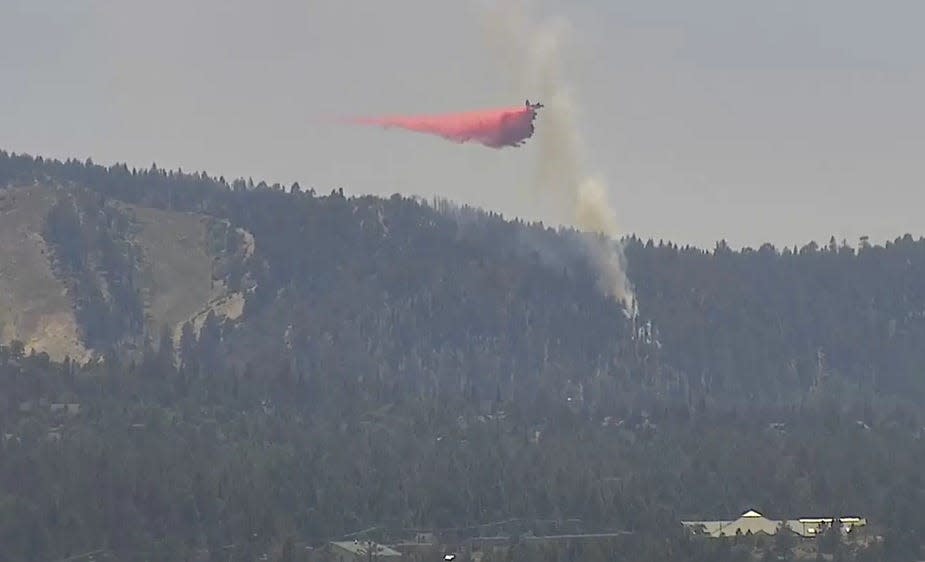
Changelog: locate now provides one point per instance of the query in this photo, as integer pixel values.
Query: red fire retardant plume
(496, 128)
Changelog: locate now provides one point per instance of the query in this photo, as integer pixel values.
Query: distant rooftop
(359, 548)
(753, 522)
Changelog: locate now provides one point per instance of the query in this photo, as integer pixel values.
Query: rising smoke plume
(532, 52)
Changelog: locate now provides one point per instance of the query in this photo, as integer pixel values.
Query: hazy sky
(775, 121)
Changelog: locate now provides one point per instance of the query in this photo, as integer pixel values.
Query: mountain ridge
(366, 263)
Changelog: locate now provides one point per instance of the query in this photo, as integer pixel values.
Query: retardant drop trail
(495, 128)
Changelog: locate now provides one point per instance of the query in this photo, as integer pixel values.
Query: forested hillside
(417, 364)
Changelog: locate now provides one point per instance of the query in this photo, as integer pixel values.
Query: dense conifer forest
(408, 364)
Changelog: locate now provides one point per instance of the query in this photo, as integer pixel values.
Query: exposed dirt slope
(175, 277)
(34, 305)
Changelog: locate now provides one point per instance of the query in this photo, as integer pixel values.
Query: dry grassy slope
(177, 269)
(176, 274)
(34, 306)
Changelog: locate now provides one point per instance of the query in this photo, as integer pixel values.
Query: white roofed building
(752, 522)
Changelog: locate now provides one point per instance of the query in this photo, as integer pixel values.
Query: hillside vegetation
(34, 303)
(349, 362)
(82, 275)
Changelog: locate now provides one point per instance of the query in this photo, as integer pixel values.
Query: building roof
(709, 527)
(359, 548)
(753, 522)
(750, 522)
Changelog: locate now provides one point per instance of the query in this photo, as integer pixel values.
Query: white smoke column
(532, 52)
